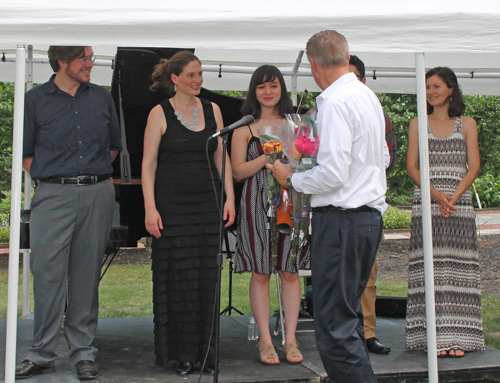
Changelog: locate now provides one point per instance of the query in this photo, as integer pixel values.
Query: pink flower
(316, 146)
(306, 146)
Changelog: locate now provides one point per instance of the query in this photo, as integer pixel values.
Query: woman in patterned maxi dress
(182, 215)
(268, 102)
(453, 145)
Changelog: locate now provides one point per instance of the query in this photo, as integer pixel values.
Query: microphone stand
(219, 261)
(230, 306)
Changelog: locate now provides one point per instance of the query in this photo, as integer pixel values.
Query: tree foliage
(6, 123)
(402, 108)
(486, 111)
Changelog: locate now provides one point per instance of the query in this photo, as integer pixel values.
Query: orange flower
(272, 147)
(296, 154)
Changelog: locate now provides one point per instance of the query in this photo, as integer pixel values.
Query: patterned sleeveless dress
(456, 260)
(253, 244)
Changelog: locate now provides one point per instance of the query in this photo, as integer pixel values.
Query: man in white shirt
(348, 198)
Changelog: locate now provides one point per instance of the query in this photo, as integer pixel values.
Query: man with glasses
(369, 296)
(71, 137)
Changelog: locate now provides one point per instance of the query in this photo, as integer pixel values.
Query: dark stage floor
(126, 355)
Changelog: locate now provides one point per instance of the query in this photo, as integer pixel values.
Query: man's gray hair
(328, 48)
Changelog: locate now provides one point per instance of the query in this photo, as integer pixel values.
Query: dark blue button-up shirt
(70, 136)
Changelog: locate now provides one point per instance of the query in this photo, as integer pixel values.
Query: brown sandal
(292, 351)
(267, 352)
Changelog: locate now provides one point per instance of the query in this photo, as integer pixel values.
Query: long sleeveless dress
(253, 244)
(456, 259)
(184, 257)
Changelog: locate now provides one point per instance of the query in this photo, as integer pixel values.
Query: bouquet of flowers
(271, 140)
(301, 145)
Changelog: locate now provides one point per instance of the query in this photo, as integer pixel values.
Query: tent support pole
(425, 187)
(15, 216)
(295, 69)
(27, 203)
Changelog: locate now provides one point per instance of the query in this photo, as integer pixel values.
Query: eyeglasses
(86, 59)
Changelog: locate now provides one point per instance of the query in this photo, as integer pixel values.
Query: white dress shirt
(353, 153)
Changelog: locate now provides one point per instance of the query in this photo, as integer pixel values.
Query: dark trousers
(343, 248)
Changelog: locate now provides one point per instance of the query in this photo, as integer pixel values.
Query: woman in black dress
(182, 214)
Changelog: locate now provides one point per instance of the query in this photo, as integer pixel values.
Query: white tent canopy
(395, 39)
(242, 35)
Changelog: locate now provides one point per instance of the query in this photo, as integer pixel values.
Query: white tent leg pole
(27, 204)
(295, 70)
(425, 188)
(15, 216)
(294, 90)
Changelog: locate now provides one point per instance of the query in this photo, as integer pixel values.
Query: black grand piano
(134, 100)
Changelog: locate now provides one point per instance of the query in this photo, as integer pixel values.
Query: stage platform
(126, 356)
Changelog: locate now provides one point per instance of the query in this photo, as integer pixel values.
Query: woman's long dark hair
(457, 106)
(262, 74)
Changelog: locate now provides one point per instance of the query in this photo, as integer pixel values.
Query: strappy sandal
(292, 352)
(442, 354)
(267, 352)
(454, 355)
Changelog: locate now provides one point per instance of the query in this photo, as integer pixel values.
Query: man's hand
(280, 172)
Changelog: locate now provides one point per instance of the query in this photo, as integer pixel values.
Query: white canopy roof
(462, 34)
(386, 35)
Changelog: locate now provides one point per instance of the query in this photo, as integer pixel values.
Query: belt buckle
(80, 178)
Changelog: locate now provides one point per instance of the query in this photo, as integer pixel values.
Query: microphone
(238, 124)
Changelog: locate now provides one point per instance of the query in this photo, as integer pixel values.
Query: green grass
(126, 291)
(4, 293)
(491, 320)
(392, 288)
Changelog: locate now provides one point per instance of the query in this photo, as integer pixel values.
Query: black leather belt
(80, 180)
(324, 209)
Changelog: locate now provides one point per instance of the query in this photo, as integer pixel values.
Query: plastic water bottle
(253, 329)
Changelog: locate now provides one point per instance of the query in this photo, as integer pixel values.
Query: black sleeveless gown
(184, 257)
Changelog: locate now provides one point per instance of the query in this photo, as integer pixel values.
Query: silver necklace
(194, 120)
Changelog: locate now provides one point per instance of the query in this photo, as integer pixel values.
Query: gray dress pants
(69, 229)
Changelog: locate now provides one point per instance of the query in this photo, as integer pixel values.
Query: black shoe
(86, 370)
(27, 369)
(376, 347)
(209, 370)
(184, 368)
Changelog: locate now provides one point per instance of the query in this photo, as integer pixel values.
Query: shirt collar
(52, 87)
(348, 77)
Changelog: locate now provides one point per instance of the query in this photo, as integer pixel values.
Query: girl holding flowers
(268, 102)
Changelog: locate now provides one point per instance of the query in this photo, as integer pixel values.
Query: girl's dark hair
(261, 75)
(162, 72)
(63, 53)
(457, 105)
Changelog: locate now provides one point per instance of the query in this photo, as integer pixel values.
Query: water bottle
(253, 329)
